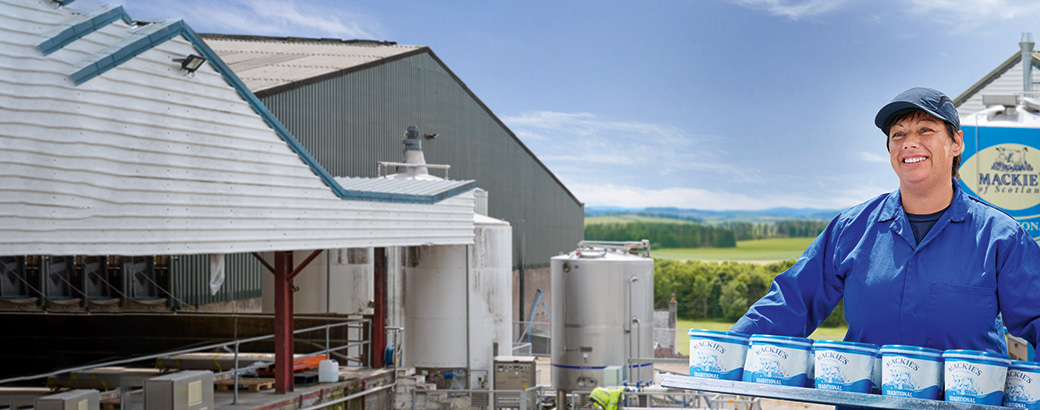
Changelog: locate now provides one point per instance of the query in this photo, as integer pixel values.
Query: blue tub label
(908, 377)
(842, 371)
(974, 382)
(769, 364)
(1022, 390)
(716, 360)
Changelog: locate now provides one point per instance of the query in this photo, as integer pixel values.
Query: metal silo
(457, 307)
(456, 298)
(602, 314)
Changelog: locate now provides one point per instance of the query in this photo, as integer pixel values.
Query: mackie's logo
(1009, 177)
(1004, 175)
(1011, 160)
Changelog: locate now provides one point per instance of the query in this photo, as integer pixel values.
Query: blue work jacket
(975, 266)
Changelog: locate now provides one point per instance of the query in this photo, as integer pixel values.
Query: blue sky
(708, 104)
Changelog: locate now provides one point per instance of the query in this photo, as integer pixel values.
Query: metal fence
(535, 334)
(539, 334)
(539, 398)
(529, 399)
(668, 399)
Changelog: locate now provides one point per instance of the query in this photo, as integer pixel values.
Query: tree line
(664, 235)
(702, 235)
(721, 291)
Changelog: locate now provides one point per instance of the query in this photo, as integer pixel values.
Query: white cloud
(695, 198)
(263, 17)
(970, 15)
(872, 157)
(591, 146)
(793, 9)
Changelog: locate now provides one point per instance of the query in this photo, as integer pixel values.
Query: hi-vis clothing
(948, 292)
(607, 398)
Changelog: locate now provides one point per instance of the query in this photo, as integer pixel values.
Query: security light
(191, 63)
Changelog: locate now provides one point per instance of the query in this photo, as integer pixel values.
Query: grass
(626, 218)
(777, 249)
(823, 333)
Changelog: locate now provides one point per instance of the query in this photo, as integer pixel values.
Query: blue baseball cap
(927, 99)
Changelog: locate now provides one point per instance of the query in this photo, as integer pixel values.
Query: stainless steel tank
(602, 314)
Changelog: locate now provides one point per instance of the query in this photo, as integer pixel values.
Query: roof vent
(414, 162)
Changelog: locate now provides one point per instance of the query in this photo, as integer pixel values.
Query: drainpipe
(1026, 43)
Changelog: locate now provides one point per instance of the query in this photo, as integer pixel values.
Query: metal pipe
(351, 397)
(235, 400)
(469, 357)
(1026, 44)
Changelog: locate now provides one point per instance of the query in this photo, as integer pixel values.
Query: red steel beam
(263, 262)
(379, 313)
(283, 323)
(305, 263)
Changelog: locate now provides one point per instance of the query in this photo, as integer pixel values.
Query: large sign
(1001, 166)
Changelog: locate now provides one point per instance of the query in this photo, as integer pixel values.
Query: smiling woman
(905, 262)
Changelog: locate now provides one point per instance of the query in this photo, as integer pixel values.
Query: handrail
(350, 397)
(184, 351)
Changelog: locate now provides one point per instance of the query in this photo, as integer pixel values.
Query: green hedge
(722, 291)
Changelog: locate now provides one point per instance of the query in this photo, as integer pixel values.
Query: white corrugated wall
(144, 159)
(1008, 82)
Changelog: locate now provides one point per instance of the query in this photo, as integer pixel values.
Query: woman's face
(922, 151)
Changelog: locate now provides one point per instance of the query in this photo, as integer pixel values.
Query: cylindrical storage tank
(337, 281)
(602, 315)
(457, 306)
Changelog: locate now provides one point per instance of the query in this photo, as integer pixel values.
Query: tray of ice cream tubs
(859, 375)
(811, 395)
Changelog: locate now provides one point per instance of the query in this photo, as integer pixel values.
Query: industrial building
(348, 102)
(129, 144)
(999, 117)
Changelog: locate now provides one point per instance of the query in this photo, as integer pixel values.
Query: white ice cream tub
(875, 375)
(717, 355)
(974, 376)
(1022, 388)
(844, 366)
(911, 371)
(781, 360)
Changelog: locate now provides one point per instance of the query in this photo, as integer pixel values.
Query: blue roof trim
(155, 33)
(79, 27)
(143, 39)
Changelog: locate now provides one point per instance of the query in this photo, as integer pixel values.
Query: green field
(626, 218)
(777, 249)
(823, 333)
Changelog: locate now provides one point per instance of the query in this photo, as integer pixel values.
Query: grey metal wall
(351, 121)
(191, 279)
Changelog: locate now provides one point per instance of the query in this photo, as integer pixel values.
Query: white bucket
(328, 371)
(780, 360)
(844, 366)
(1022, 389)
(974, 376)
(911, 371)
(717, 355)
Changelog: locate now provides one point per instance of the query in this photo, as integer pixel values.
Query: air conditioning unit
(70, 400)
(187, 390)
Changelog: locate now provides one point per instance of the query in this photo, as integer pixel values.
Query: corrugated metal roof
(404, 189)
(264, 63)
(143, 159)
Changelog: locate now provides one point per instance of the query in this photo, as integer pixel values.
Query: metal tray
(808, 395)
